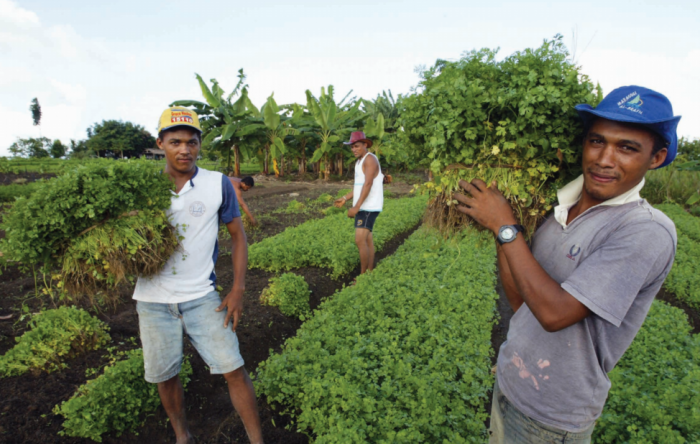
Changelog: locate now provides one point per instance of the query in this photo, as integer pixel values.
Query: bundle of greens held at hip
(102, 224)
(509, 120)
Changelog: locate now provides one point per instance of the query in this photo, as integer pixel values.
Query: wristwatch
(507, 233)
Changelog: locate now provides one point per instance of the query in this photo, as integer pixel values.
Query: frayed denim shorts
(162, 328)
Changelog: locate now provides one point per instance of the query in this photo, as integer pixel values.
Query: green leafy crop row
(685, 222)
(329, 242)
(8, 193)
(54, 336)
(402, 356)
(116, 401)
(684, 278)
(290, 293)
(655, 394)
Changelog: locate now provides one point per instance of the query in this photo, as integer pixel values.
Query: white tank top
(375, 199)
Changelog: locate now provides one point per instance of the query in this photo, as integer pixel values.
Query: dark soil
(26, 401)
(8, 178)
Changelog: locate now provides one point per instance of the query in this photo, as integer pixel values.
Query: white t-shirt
(206, 198)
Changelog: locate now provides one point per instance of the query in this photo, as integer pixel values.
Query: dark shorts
(365, 219)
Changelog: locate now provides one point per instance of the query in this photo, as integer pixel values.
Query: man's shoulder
(649, 219)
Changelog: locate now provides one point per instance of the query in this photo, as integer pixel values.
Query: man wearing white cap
(367, 197)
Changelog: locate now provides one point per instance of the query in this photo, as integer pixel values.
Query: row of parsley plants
(402, 356)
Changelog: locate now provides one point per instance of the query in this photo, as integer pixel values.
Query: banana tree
(277, 128)
(304, 135)
(223, 120)
(330, 121)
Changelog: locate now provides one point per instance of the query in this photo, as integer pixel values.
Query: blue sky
(92, 60)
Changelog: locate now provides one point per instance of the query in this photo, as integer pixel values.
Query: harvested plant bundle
(512, 121)
(102, 223)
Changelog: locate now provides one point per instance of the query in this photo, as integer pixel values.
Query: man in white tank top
(367, 197)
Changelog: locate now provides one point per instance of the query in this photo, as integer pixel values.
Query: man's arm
(341, 201)
(511, 290)
(233, 302)
(554, 308)
(244, 207)
(370, 169)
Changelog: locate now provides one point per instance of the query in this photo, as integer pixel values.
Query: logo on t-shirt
(197, 209)
(573, 252)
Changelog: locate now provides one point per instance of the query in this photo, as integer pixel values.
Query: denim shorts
(510, 426)
(365, 219)
(163, 325)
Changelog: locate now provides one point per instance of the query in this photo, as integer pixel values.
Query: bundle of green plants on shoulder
(511, 121)
(101, 223)
(53, 336)
(290, 293)
(114, 402)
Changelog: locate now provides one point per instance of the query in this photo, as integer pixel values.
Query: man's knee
(169, 382)
(235, 376)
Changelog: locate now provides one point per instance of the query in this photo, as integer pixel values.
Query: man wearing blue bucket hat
(581, 293)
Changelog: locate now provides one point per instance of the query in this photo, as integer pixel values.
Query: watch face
(508, 234)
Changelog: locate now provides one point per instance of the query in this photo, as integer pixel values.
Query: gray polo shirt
(613, 259)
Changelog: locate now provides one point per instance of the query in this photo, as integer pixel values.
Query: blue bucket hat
(636, 104)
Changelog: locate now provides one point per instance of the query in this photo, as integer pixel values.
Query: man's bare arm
(554, 307)
(244, 207)
(233, 302)
(511, 290)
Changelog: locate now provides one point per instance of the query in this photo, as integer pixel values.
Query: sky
(88, 61)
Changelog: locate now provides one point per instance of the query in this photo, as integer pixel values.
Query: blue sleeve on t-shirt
(229, 202)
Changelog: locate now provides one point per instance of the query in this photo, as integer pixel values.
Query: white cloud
(73, 93)
(11, 13)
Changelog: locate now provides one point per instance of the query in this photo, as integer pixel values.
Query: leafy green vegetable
(8, 193)
(102, 222)
(511, 120)
(329, 242)
(53, 337)
(655, 396)
(116, 401)
(290, 293)
(684, 278)
(402, 356)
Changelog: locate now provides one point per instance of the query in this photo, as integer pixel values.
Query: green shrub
(655, 394)
(102, 222)
(290, 293)
(294, 206)
(402, 356)
(685, 223)
(330, 242)
(115, 402)
(684, 278)
(507, 119)
(334, 210)
(9, 193)
(323, 198)
(53, 337)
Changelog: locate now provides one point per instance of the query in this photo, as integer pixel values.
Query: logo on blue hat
(632, 102)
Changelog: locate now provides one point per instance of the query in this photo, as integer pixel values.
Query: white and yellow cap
(178, 116)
